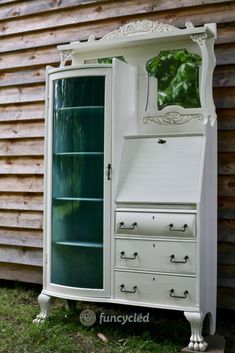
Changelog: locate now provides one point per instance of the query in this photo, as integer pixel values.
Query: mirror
(177, 74)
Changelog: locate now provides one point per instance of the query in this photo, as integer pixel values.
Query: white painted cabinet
(130, 191)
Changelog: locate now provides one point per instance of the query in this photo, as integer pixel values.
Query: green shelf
(78, 199)
(80, 243)
(82, 108)
(79, 154)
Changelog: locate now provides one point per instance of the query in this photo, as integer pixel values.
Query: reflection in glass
(79, 92)
(79, 129)
(77, 188)
(177, 72)
(78, 175)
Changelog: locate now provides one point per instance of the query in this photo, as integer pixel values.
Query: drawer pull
(172, 291)
(122, 289)
(179, 262)
(121, 226)
(171, 228)
(123, 256)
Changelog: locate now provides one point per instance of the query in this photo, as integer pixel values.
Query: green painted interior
(77, 187)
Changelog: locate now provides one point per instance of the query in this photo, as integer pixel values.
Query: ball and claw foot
(45, 305)
(197, 342)
(40, 318)
(197, 345)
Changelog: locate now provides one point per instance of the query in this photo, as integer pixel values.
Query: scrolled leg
(45, 305)
(197, 342)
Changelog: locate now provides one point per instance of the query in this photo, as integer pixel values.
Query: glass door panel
(78, 175)
(77, 187)
(79, 129)
(72, 262)
(78, 220)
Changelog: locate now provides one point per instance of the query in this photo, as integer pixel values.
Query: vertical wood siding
(29, 34)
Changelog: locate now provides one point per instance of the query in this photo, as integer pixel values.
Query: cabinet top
(177, 64)
(138, 34)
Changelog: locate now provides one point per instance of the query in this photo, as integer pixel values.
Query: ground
(166, 332)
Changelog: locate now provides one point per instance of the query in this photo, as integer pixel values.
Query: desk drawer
(155, 224)
(155, 289)
(165, 256)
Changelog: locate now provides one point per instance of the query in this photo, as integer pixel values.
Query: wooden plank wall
(29, 34)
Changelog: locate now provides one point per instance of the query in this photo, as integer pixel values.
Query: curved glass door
(77, 182)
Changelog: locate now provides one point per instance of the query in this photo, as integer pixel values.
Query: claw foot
(45, 305)
(200, 346)
(40, 317)
(197, 342)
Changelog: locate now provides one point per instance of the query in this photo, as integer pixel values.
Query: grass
(167, 331)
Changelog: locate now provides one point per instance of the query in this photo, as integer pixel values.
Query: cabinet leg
(70, 305)
(45, 305)
(197, 342)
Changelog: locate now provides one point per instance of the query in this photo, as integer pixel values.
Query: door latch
(109, 170)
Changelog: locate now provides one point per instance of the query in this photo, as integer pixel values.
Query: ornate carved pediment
(136, 28)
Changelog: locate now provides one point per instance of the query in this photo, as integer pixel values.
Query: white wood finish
(155, 288)
(197, 342)
(161, 200)
(154, 172)
(156, 255)
(117, 93)
(207, 228)
(155, 224)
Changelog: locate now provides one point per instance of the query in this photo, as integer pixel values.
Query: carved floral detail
(189, 25)
(172, 118)
(138, 27)
(199, 38)
(64, 56)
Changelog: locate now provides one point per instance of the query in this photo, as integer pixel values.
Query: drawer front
(165, 256)
(155, 289)
(160, 224)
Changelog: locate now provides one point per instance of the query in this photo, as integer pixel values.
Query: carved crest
(134, 28)
(172, 118)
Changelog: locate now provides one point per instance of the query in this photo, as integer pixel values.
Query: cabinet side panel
(208, 227)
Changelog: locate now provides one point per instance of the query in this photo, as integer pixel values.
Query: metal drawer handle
(121, 226)
(171, 228)
(179, 262)
(172, 291)
(122, 253)
(122, 286)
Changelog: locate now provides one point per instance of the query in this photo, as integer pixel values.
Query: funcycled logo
(87, 317)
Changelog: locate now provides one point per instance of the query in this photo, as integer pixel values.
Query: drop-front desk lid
(161, 170)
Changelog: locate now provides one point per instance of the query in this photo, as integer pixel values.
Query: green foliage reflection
(177, 72)
(109, 60)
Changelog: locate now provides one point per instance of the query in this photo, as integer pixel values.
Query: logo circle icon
(87, 317)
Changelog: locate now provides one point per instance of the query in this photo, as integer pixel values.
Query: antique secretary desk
(130, 186)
